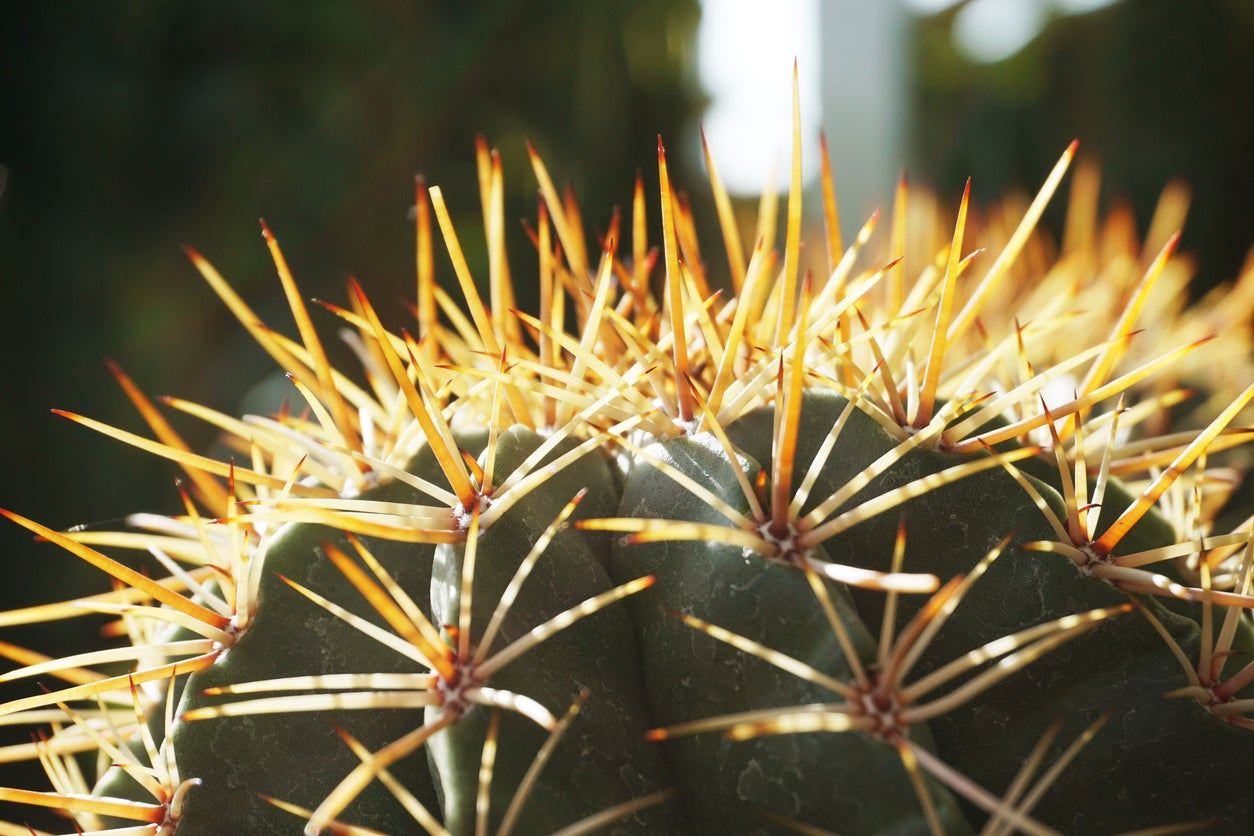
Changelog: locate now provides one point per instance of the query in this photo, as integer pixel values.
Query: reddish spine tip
(265, 230)
(356, 290)
(1071, 149)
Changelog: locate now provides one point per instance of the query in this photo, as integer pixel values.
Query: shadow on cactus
(877, 542)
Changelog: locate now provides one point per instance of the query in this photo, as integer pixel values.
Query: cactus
(821, 555)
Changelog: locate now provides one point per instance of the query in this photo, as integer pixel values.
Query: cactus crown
(849, 548)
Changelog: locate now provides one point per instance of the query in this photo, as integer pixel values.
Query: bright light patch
(745, 52)
(987, 31)
(1060, 391)
(1077, 7)
(929, 7)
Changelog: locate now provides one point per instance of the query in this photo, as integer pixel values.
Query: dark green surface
(844, 782)
(1156, 762)
(604, 759)
(298, 757)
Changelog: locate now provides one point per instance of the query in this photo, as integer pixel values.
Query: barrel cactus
(875, 539)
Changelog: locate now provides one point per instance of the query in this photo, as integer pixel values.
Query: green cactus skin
(652, 686)
(846, 782)
(604, 759)
(115, 782)
(297, 756)
(1173, 744)
(1152, 531)
(862, 787)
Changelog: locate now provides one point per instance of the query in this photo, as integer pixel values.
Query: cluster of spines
(685, 361)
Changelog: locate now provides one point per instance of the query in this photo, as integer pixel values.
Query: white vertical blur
(865, 101)
(745, 52)
(854, 69)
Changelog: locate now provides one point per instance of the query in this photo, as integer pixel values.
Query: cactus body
(689, 677)
(605, 759)
(274, 647)
(784, 561)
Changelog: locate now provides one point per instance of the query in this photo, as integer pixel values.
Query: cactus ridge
(883, 552)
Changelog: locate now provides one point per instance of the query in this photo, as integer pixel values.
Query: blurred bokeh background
(129, 128)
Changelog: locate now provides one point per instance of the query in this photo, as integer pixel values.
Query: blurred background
(130, 128)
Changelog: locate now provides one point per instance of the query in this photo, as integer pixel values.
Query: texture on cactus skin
(877, 542)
